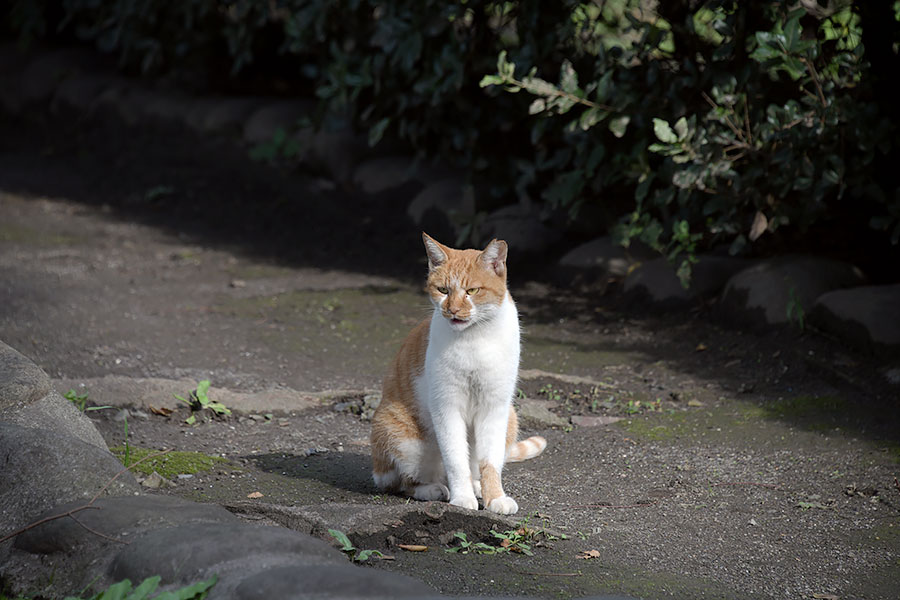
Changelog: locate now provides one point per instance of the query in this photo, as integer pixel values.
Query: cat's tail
(525, 449)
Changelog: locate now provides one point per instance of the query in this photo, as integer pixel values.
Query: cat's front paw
(476, 487)
(469, 502)
(431, 491)
(504, 505)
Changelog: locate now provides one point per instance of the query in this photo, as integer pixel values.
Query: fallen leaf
(255, 495)
(701, 347)
(589, 554)
(162, 411)
(412, 547)
(504, 543)
(826, 596)
(696, 403)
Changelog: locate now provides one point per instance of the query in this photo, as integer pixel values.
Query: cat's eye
(473, 291)
(443, 290)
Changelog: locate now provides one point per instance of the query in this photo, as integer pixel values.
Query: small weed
(521, 540)
(551, 393)
(637, 406)
(80, 401)
(123, 590)
(157, 192)
(281, 146)
(514, 541)
(352, 552)
(199, 400)
(467, 547)
(795, 312)
(126, 459)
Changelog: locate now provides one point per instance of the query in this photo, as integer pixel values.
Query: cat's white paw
(469, 502)
(476, 487)
(431, 491)
(504, 505)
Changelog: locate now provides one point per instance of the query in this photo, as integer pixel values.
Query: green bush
(684, 124)
(723, 131)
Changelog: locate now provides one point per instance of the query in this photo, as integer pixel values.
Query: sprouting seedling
(352, 552)
(199, 400)
(80, 401)
(467, 547)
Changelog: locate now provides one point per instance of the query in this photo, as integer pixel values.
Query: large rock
(43, 468)
(764, 293)
(219, 115)
(523, 228)
(868, 316)
(21, 381)
(120, 518)
(55, 413)
(602, 257)
(441, 206)
(330, 581)
(265, 120)
(44, 72)
(656, 280)
(80, 92)
(384, 173)
(232, 551)
(337, 150)
(80, 552)
(26, 399)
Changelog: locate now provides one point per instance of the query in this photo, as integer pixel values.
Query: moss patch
(658, 427)
(168, 465)
(817, 412)
(27, 235)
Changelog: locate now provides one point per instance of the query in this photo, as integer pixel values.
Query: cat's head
(468, 286)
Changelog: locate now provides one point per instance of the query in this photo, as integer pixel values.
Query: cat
(446, 424)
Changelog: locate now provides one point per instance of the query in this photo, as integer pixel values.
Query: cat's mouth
(458, 322)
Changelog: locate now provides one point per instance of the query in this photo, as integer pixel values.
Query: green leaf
(377, 130)
(663, 132)
(146, 587)
(196, 591)
(681, 128)
(116, 591)
(364, 555)
(568, 78)
(490, 80)
(343, 540)
(202, 390)
(618, 125)
(537, 106)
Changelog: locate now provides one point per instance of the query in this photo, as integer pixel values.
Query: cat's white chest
(482, 360)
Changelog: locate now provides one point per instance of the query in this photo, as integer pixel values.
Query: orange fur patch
(490, 483)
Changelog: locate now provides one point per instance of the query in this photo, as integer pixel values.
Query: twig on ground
(95, 532)
(639, 505)
(765, 485)
(89, 504)
(537, 574)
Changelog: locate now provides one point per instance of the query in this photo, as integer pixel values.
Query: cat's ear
(435, 251)
(494, 257)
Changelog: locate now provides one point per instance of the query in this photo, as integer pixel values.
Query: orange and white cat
(446, 424)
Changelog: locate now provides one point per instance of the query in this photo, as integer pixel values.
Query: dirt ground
(685, 459)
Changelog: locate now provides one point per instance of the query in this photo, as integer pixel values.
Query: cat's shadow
(344, 471)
